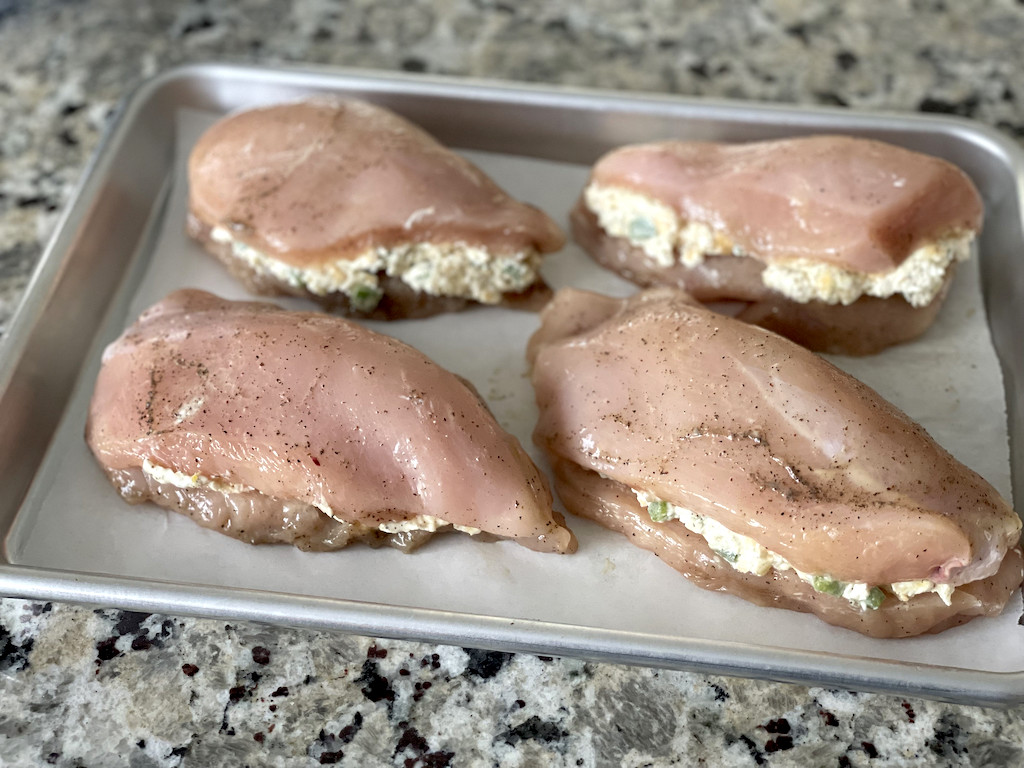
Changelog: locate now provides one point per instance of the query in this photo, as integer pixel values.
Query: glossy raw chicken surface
(743, 426)
(859, 204)
(316, 409)
(328, 177)
(613, 505)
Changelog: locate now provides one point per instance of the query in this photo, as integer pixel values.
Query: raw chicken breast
(855, 238)
(349, 204)
(781, 461)
(251, 419)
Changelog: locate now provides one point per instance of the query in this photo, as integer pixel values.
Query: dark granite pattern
(84, 687)
(109, 687)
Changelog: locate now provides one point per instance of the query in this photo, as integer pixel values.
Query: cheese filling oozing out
(448, 269)
(747, 556)
(659, 232)
(197, 480)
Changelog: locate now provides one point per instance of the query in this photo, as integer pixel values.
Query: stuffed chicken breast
(273, 426)
(347, 203)
(755, 467)
(844, 245)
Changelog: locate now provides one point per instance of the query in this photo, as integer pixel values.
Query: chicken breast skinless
(755, 467)
(844, 245)
(304, 428)
(350, 205)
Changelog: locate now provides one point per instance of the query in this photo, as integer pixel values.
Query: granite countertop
(102, 687)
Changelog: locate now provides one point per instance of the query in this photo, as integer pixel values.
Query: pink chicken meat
(280, 426)
(351, 205)
(778, 448)
(842, 244)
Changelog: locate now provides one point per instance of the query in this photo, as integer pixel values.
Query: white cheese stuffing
(197, 480)
(423, 523)
(747, 556)
(647, 223)
(905, 590)
(919, 278)
(656, 229)
(447, 269)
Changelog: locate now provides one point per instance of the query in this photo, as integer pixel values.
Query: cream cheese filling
(198, 480)
(663, 236)
(747, 556)
(654, 227)
(438, 269)
(424, 523)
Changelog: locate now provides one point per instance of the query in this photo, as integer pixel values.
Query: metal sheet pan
(112, 246)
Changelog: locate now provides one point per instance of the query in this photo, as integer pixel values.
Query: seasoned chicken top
(330, 178)
(769, 440)
(854, 203)
(307, 407)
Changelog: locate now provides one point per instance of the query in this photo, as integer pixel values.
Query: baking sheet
(73, 520)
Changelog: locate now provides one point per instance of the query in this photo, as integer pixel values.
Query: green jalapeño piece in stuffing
(658, 510)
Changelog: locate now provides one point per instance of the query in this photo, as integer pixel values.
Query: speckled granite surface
(106, 688)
